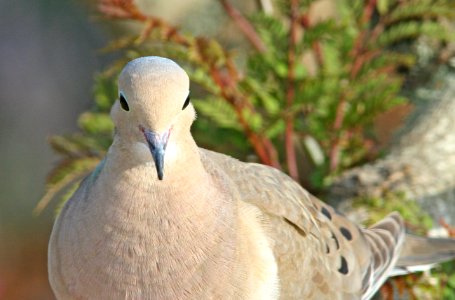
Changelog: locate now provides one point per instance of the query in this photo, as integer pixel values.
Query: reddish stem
(122, 9)
(358, 62)
(450, 229)
(290, 94)
(304, 21)
(272, 153)
(262, 146)
(368, 11)
(387, 291)
(318, 52)
(244, 25)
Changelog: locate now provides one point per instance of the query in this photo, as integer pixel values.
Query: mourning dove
(160, 218)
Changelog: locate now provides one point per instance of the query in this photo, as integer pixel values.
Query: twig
(334, 152)
(244, 25)
(318, 53)
(360, 61)
(121, 9)
(387, 291)
(368, 11)
(262, 145)
(362, 38)
(272, 153)
(127, 9)
(290, 94)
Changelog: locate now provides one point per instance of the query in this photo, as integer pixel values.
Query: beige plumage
(161, 218)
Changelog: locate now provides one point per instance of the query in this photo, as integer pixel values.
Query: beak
(157, 143)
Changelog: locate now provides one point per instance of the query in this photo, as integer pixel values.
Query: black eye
(187, 101)
(123, 103)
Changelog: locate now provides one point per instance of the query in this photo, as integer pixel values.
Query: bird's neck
(186, 185)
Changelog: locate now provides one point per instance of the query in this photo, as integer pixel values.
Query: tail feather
(419, 254)
(398, 271)
(423, 251)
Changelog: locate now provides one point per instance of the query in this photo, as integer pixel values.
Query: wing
(55, 251)
(346, 262)
(385, 240)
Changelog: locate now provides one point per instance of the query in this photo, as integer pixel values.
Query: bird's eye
(123, 103)
(187, 101)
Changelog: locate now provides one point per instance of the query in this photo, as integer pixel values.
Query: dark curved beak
(157, 143)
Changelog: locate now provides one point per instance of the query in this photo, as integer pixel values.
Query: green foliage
(344, 72)
(415, 218)
(446, 274)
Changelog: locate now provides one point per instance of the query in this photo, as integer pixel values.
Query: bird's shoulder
(271, 190)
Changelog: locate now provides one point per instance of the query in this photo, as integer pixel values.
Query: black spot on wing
(344, 266)
(336, 241)
(326, 213)
(346, 233)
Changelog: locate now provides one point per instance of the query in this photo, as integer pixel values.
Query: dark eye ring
(123, 103)
(187, 101)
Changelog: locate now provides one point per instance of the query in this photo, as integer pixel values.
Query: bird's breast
(145, 242)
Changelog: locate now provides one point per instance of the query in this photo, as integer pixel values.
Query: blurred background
(48, 56)
(50, 64)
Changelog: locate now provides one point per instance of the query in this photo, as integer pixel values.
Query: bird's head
(153, 105)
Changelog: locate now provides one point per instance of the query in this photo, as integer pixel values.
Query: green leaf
(414, 29)
(255, 120)
(200, 76)
(105, 92)
(96, 123)
(420, 9)
(275, 129)
(382, 6)
(79, 145)
(451, 281)
(332, 64)
(254, 87)
(63, 175)
(69, 191)
(218, 111)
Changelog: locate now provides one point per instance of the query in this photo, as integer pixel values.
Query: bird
(161, 218)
